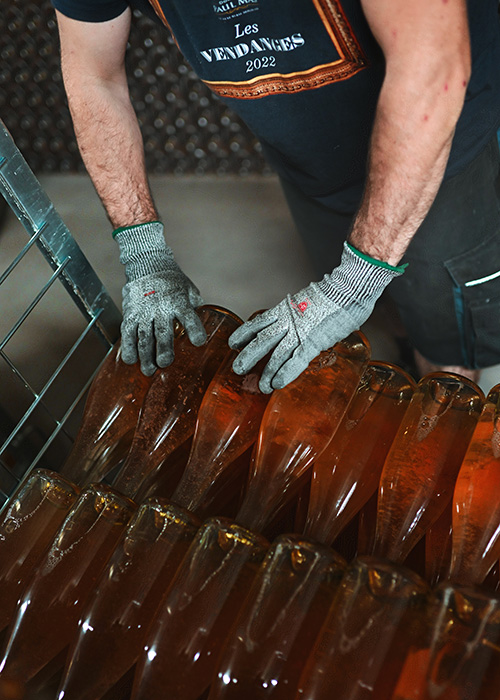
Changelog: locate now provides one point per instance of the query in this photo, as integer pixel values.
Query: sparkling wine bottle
(123, 603)
(109, 420)
(346, 474)
(476, 511)
(162, 483)
(28, 522)
(170, 408)
(297, 425)
(11, 690)
(438, 540)
(228, 424)
(458, 655)
(264, 653)
(52, 599)
(420, 470)
(367, 520)
(373, 621)
(195, 615)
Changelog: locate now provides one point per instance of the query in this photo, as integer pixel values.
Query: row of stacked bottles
(159, 564)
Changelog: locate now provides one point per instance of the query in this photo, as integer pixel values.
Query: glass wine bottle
(263, 655)
(123, 603)
(476, 511)
(420, 470)
(228, 424)
(170, 408)
(297, 425)
(346, 474)
(109, 419)
(438, 539)
(367, 520)
(458, 655)
(373, 621)
(51, 602)
(11, 690)
(28, 523)
(196, 613)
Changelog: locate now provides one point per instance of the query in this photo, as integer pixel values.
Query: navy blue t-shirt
(305, 76)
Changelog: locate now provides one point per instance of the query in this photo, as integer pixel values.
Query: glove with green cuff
(319, 316)
(156, 294)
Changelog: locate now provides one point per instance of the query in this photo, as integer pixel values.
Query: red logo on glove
(148, 294)
(301, 306)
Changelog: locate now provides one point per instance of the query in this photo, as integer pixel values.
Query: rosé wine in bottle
(276, 627)
(123, 603)
(170, 407)
(53, 596)
(419, 473)
(458, 653)
(28, 523)
(298, 423)
(197, 611)
(476, 506)
(373, 621)
(109, 419)
(228, 424)
(346, 474)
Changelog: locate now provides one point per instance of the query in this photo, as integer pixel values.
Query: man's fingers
(248, 330)
(146, 348)
(291, 369)
(195, 296)
(128, 332)
(164, 334)
(193, 326)
(280, 355)
(256, 350)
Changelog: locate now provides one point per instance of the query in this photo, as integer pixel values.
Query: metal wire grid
(48, 233)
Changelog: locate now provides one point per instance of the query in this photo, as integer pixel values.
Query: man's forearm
(427, 51)
(112, 149)
(409, 151)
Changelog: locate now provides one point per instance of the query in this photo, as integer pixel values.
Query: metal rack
(26, 439)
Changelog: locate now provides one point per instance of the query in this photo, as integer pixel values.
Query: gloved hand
(303, 325)
(156, 293)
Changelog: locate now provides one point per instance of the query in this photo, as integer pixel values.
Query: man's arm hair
(106, 126)
(427, 51)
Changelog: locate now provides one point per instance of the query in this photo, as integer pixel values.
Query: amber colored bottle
(228, 424)
(28, 523)
(346, 474)
(109, 420)
(298, 424)
(170, 408)
(51, 602)
(162, 482)
(476, 511)
(374, 619)
(492, 581)
(11, 690)
(367, 521)
(419, 473)
(123, 603)
(458, 655)
(226, 495)
(438, 547)
(264, 653)
(197, 611)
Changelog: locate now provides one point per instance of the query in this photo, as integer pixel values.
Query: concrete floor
(233, 236)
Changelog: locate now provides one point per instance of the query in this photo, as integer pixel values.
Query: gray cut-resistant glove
(156, 293)
(316, 318)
